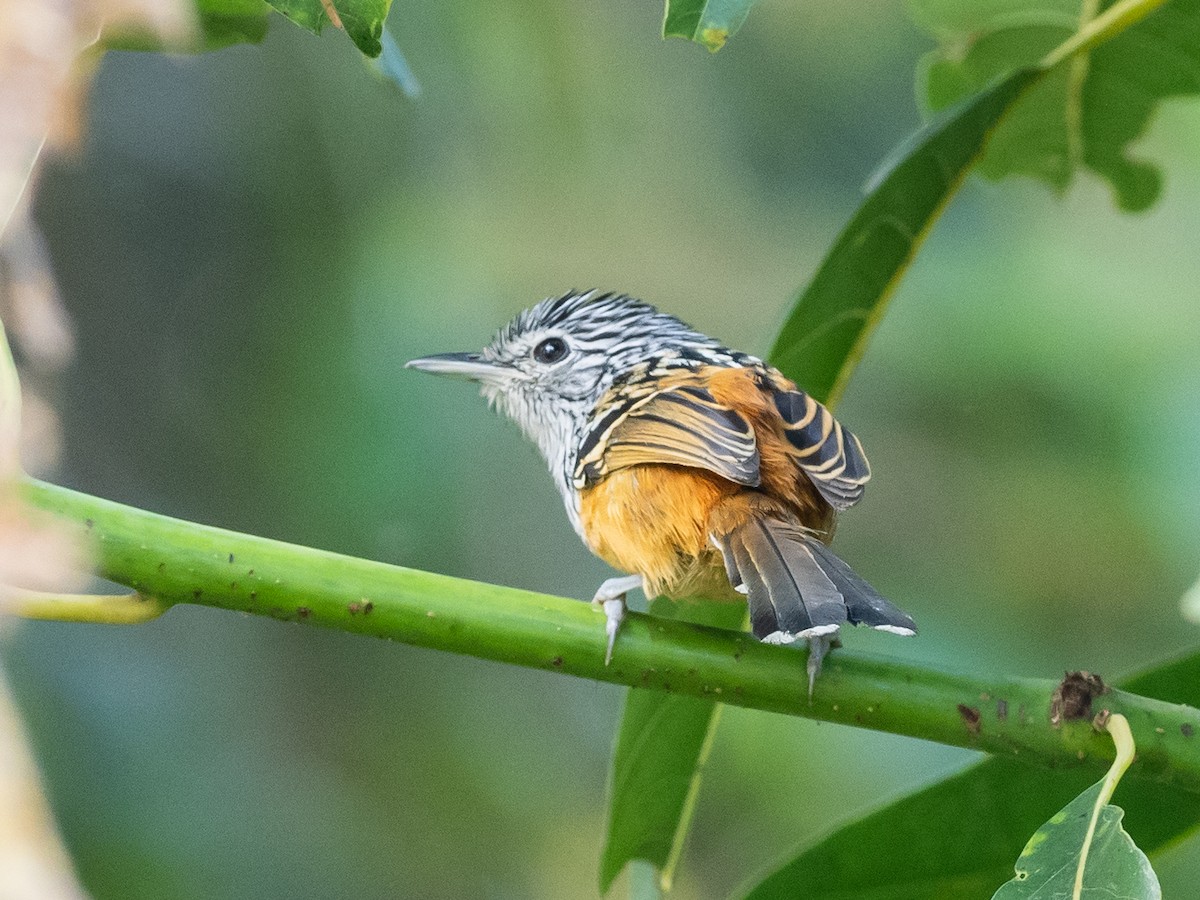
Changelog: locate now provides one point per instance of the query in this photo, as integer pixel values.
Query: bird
(699, 470)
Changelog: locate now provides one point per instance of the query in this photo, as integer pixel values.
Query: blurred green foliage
(252, 243)
(1083, 114)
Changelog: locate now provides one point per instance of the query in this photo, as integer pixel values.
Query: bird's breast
(652, 520)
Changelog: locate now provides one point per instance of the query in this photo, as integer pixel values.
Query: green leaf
(1082, 851)
(1115, 866)
(224, 23)
(658, 761)
(707, 22)
(826, 332)
(227, 22)
(308, 14)
(362, 19)
(221, 23)
(1087, 114)
(911, 849)
(828, 328)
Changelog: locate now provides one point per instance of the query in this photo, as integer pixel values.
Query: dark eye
(551, 350)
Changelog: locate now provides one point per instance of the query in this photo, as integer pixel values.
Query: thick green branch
(181, 562)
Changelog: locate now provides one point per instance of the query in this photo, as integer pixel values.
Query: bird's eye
(551, 350)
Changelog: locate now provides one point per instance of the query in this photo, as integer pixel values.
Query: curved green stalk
(95, 609)
(182, 562)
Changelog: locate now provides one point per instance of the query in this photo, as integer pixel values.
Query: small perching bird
(700, 470)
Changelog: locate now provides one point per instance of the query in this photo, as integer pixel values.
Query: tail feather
(864, 604)
(796, 587)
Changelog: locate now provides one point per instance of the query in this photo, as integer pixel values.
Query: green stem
(95, 609)
(1108, 24)
(182, 562)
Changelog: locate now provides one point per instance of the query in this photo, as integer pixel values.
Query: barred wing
(681, 426)
(831, 457)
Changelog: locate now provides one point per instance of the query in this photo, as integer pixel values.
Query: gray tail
(797, 588)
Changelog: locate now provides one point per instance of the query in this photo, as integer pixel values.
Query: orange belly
(653, 521)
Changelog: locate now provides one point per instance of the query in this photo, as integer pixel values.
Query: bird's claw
(818, 646)
(611, 598)
(614, 612)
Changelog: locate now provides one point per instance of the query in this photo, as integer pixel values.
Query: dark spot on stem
(231, 559)
(1073, 697)
(254, 595)
(250, 573)
(1001, 710)
(367, 607)
(556, 662)
(1186, 729)
(233, 585)
(303, 612)
(970, 716)
(90, 523)
(355, 608)
(162, 566)
(196, 594)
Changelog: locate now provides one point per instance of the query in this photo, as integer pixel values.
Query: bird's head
(549, 366)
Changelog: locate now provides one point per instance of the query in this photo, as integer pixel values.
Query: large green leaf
(1087, 114)
(826, 332)
(911, 849)
(707, 22)
(658, 761)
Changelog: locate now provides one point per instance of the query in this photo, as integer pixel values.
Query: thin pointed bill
(459, 365)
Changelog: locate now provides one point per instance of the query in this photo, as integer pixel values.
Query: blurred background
(252, 242)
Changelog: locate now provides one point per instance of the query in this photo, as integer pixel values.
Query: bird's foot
(610, 597)
(818, 646)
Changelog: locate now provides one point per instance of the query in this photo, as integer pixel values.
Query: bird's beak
(471, 366)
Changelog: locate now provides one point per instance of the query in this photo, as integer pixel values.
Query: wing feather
(830, 455)
(681, 425)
